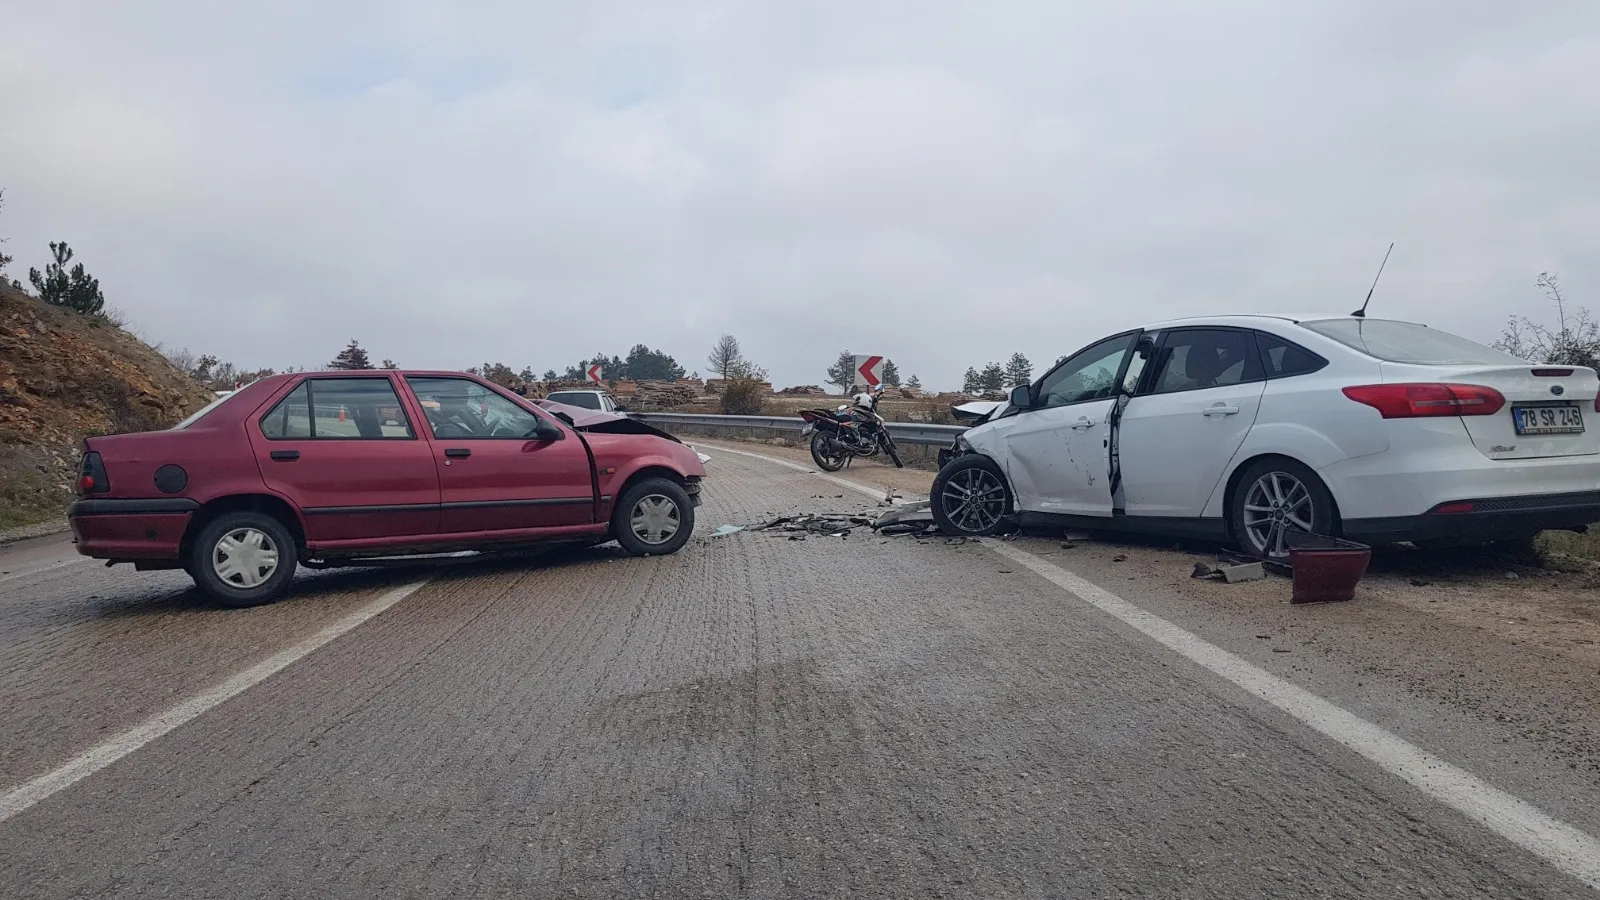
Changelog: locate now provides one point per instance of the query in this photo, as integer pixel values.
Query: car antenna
(1362, 312)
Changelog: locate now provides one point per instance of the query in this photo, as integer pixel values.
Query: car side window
(323, 409)
(1283, 359)
(1091, 374)
(291, 418)
(458, 409)
(1196, 359)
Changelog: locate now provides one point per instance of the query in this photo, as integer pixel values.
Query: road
(755, 717)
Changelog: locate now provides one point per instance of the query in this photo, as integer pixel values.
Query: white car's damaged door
(1188, 420)
(1057, 454)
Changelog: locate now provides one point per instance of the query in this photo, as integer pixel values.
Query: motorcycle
(838, 436)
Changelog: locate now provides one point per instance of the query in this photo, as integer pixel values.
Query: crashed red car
(336, 468)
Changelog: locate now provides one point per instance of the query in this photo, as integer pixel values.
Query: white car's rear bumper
(1450, 489)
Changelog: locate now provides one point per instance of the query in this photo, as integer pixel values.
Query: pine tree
(993, 377)
(74, 289)
(972, 382)
(914, 383)
(549, 375)
(351, 357)
(1018, 370)
(891, 373)
(388, 364)
(4, 259)
(842, 374)
(725, 356)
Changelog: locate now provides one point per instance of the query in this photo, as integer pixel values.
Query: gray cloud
(455, 183)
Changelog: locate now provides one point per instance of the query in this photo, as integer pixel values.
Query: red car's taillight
(1415, 401)
(92, 475)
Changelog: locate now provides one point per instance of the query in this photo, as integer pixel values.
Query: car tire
(956, 509)
(243, 558)
(653, 518)
(1271, 499)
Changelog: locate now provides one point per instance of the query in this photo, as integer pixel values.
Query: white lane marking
(42, 569)
(1563, 846)
(1574, 852)
(94, 759)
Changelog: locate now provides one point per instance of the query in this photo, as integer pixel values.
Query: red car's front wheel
(653, 518)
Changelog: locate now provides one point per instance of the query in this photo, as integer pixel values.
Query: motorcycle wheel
(827, 452)
(894, 454)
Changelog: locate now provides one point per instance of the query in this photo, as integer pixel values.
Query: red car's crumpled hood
(595, 421)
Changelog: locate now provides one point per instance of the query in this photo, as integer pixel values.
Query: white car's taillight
(1416, 401)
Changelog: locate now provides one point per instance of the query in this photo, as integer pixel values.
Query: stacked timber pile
(659, 395)
(808, 390)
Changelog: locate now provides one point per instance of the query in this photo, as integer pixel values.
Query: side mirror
(1022, 396)
(547, 431)
(620, 408)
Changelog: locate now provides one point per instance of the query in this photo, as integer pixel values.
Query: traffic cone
(341, 414)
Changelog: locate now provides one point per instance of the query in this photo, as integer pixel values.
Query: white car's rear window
(585, 399)
(1404, 342)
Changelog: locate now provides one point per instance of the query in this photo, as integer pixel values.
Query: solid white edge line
(1566, 847)
(41, 787)
(39, 570)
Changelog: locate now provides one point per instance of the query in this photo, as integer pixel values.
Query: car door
(1177, 435)
(492, 476)
(1057, 451)
(344, 450)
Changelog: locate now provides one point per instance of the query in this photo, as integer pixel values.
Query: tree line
(1573, 339)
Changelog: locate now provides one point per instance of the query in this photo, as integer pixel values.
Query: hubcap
(245, 557)
(1275, 505)
(974, 499)
(655, 519)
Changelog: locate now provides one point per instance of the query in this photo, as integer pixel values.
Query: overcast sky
(941, 182)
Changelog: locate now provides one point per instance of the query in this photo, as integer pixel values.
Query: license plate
(1547, 419)
(807, 430)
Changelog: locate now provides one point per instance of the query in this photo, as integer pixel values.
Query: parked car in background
(334, 468)
(1250, 428)
(597, 400)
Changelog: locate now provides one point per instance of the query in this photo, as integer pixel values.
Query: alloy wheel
(974, 499)
(1275, 505)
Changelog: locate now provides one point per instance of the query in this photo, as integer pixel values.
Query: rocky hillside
(64, 376)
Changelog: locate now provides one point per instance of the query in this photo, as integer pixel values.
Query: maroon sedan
(333, 468)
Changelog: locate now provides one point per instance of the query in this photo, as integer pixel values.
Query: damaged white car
(1250, 428)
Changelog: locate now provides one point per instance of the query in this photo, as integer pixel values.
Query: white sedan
(1249, 428)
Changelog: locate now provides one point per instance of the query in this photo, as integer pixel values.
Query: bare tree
(1574, 341)
(725, 357)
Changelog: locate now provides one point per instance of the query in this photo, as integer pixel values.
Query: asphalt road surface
(752, 717)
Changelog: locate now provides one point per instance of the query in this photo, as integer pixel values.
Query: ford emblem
(1557, 389)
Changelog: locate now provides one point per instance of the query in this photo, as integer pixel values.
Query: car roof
(1252, 320)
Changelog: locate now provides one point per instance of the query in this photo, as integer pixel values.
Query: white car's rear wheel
(1277, 497)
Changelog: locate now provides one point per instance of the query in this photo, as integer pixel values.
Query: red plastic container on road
(1326, 569)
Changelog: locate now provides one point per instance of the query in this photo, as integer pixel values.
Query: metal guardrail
(903, 432)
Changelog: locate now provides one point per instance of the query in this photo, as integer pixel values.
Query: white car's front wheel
(1275, 498)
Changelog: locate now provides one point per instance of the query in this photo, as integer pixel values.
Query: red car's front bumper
(130, 529)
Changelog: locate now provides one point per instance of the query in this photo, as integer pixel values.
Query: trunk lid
(1551, 402)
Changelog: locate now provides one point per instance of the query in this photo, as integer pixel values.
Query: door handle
(285, 455)
(1082, 423)
(1220, 410)
(457, 452)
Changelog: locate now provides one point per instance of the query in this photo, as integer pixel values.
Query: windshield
(202, 411)
(585, 399)
(1404, 342)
